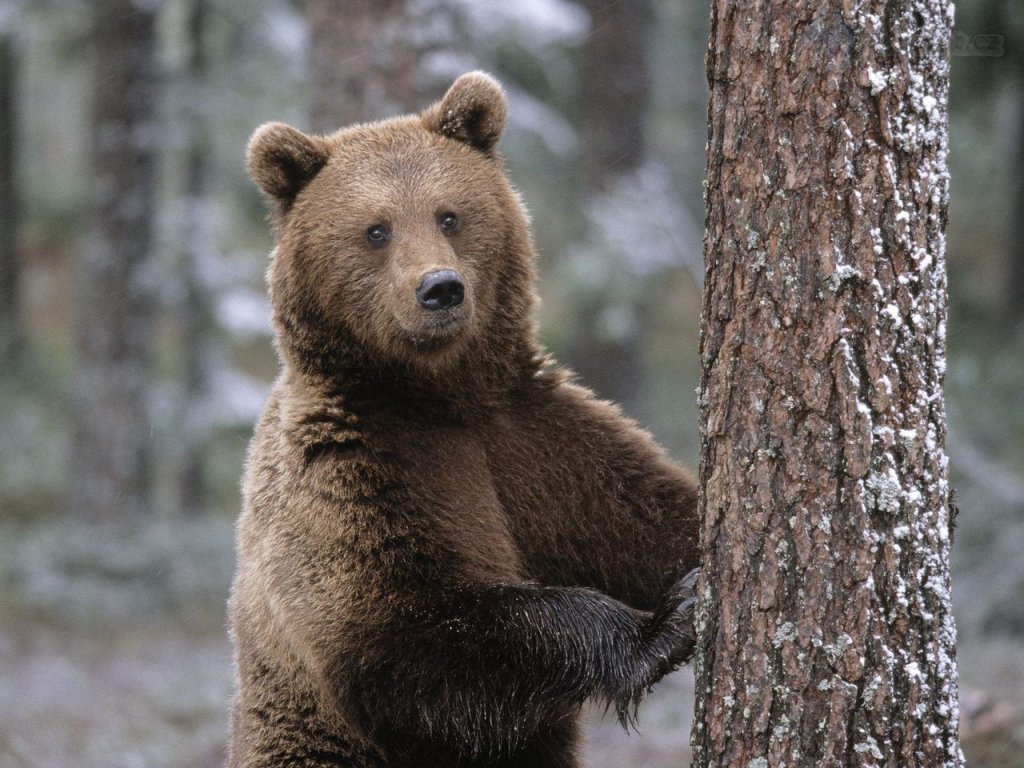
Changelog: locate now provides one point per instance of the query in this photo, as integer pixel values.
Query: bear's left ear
(283, 160)
(473, 111)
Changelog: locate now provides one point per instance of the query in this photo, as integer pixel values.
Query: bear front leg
(593, 501)
(478, 672)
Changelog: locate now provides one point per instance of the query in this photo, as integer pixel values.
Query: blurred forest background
(135, 346)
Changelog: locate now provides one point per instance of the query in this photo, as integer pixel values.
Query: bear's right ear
(283, 160)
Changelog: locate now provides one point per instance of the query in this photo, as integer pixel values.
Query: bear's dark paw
(673, 622)
(668, 643)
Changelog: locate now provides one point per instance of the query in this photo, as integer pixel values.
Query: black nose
(440, 290)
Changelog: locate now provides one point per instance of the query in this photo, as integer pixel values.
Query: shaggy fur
(446, 545)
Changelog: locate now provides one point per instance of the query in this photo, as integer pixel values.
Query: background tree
(10, 295)
(372, 59)
(110, 440)
(194, 310)
(1010, 21)
(828, 636)
(614, 99)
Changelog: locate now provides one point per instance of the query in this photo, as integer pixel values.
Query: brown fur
(446, 546)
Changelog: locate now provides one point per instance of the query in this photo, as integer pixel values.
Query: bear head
(403, 251)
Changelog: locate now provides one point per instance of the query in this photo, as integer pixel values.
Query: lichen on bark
(828, 636)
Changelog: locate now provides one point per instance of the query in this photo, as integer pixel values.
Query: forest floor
(156, 696)
(143, 679)
(114, 654)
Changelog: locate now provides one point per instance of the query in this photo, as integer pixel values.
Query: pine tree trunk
(1014, 268)
(367, 57)
(194, 312)
(615, 88)
(827, 633)
(614, 94)
(11, 334)
(110, 452)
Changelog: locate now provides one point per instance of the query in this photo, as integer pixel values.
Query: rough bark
(11, 334)
(367, 58)
(614, 95)
(109, 472)
(827, 633)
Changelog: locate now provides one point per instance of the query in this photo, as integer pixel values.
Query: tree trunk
(194, 313)
(615, 88)
(1014, 270)
(825, 618)
(1014, 300)
(614, 95)
(109, 473)
(367, 57)
(11, 334)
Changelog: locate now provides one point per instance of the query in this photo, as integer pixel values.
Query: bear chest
(448, 483)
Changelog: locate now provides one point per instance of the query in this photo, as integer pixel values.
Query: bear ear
(283, 160)
(473, 111)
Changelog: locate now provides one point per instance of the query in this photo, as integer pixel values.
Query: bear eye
(378, 235)
(448, 222)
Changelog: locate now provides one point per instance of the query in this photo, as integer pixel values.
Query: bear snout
(440, 289)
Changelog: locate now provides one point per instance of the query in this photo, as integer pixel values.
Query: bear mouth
(439, 328)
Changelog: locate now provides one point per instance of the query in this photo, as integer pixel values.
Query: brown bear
(446, 545)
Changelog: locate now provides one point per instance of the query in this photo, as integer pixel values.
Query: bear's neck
(472, 382)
